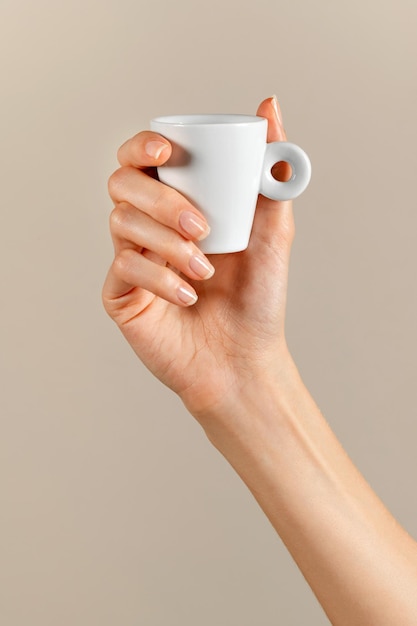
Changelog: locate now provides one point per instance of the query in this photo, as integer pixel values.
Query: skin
(226, 356)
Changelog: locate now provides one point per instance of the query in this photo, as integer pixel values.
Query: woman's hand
(225, 354)
(232, 336)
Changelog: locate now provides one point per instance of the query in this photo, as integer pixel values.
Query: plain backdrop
(115, 509)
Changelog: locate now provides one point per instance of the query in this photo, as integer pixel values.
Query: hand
(206, 349)
(225, 354)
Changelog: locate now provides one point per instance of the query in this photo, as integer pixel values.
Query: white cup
(221, 163)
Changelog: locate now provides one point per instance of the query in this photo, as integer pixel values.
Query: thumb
(271, 110)
(274, 220)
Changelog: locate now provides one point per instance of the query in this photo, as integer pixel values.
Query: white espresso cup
(221, 163)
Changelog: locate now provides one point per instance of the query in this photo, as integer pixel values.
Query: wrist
(263, 401)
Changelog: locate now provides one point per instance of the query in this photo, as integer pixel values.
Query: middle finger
(164, 204)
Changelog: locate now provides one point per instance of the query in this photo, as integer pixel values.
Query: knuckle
(123, 262)
(117, 182)
(122, 150)
(185, 248)
(161, 200)
(119, 217)
(105, 300)
(169, 279)
(167, 205)
(114, 220)
(132, 149)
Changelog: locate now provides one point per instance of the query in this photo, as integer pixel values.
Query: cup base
(221, 250)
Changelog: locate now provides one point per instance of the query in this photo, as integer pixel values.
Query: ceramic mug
(221, 163)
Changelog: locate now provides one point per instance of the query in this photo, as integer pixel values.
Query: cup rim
(208, 119)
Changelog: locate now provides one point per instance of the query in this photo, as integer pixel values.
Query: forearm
(360, 563)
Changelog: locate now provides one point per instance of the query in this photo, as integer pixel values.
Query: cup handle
(301, 171)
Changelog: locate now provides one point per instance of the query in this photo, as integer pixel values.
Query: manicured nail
(277, 109)
(193, 225)
(201, 267)
(154, 149)
(187, 295)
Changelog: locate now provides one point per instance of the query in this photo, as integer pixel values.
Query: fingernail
(201, 267)
(187, 295)
(277, 109)
(154, 149)
(193, 225)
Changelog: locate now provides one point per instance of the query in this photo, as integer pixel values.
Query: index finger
(146, 149)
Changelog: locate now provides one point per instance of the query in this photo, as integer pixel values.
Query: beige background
(114, 507)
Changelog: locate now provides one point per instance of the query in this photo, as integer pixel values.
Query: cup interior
(210, 119)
